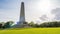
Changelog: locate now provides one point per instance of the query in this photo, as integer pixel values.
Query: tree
(31, 24)
(8, 24)
(37, 25)
(0, 25)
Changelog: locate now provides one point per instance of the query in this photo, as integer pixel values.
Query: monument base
(21, 25)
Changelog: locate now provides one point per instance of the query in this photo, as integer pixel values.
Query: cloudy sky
(35, 10)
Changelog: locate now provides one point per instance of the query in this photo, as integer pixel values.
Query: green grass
(31, 31)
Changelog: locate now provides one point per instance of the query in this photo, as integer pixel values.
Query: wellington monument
(22, 22)
(22, 14)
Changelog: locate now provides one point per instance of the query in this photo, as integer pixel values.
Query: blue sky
(8, 10)
(35, 10)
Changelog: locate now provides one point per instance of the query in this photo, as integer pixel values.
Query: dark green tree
(8, 24)
(31, 24)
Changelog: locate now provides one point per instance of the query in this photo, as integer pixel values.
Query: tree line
(9, 24)
(46, 24)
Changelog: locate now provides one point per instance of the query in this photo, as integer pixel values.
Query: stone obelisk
(22, 14)
(22, 22)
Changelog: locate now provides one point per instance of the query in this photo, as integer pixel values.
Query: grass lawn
(31, 31)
